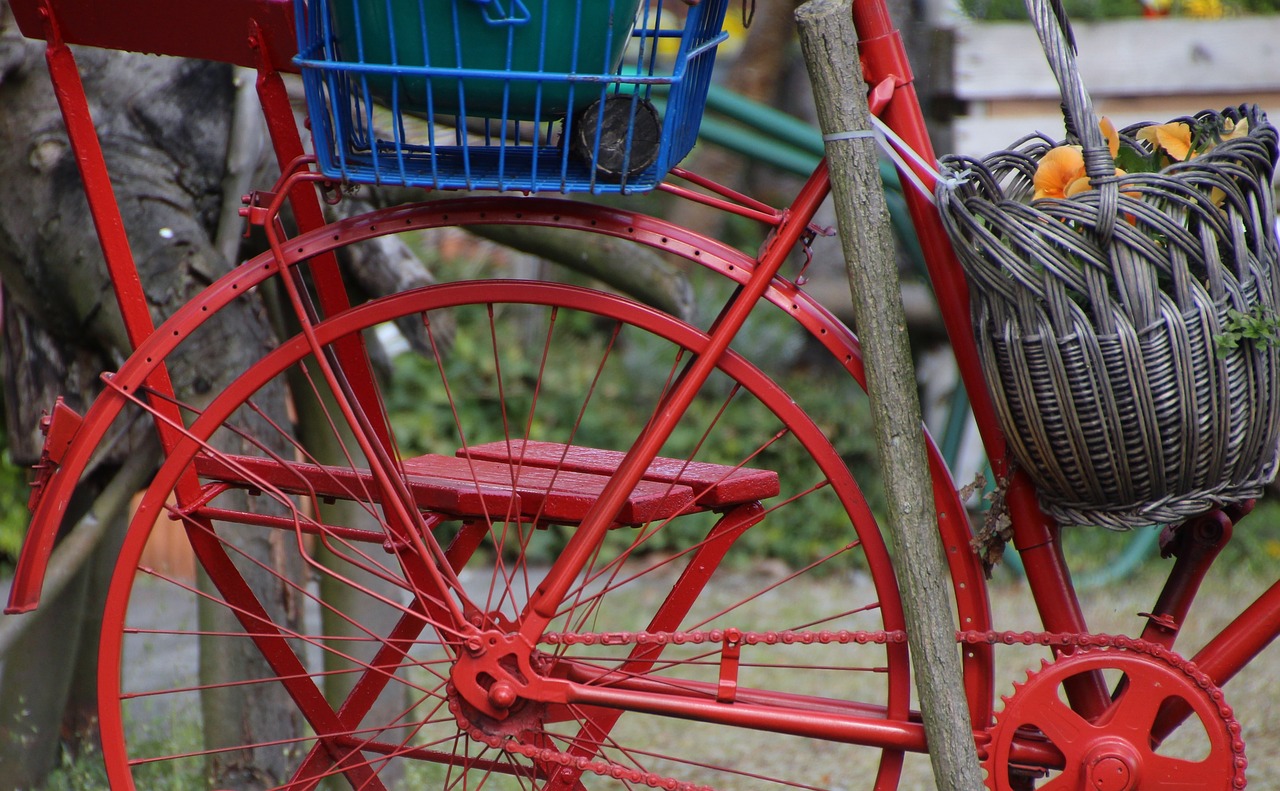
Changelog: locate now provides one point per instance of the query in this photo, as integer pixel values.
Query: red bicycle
(512, 596)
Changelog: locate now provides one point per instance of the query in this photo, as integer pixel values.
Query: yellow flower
(1060, 168)
(1232, 130)
(1272, 547)
(1205, 9)
(1174, 138)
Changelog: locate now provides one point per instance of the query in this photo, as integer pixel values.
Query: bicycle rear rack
(549, 482)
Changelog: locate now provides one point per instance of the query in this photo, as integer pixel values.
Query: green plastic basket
(517, 53)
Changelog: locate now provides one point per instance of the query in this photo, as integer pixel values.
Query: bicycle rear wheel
(337, 663)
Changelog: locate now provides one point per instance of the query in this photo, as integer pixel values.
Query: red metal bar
(309, 215)
(279, 654)
(1035, 536)
(693, 580)
(885, 59)
(546, 599)
(729, 200)
(101, 197)
(680, 191)
(1198, 543)
(382, 668)
(1231, 650)
(108, 222)
(803, 720)
(204, 30)
(1243, 639)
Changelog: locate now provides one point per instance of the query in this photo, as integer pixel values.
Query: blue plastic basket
(518, 95)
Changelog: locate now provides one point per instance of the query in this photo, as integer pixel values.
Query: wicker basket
(1097, 315)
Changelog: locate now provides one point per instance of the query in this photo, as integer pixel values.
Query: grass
(85, 771)
(1113, 609)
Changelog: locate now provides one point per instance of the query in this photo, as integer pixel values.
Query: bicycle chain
(548, 756)
(735, 636)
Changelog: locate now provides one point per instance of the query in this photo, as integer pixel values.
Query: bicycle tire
(125, 742)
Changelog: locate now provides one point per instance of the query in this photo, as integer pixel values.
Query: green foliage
(1093, 10)
(84, 771)
(1255, 542)
(514, 393)
(1259, 325)
(13, 505)
(1003, 10)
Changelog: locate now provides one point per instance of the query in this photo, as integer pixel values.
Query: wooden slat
(993, 126)
(433, 493)
(714, 485)
(557, 496)
(1133, 57)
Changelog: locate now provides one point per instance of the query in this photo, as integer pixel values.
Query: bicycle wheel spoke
(504, 436)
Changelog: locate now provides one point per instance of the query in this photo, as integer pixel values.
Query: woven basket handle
(1058, 42)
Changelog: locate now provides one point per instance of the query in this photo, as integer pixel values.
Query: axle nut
(502, 694)
(1111, 773)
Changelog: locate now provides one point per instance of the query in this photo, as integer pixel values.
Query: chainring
(1113, 751)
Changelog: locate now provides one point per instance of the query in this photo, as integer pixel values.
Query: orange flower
(1110, 134)
(1174, 138)
(1060, 168)
(1061, 173)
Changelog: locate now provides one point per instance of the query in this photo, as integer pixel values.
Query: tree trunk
(828, 38)
(168, 126)
(34, 689)
(175, 154)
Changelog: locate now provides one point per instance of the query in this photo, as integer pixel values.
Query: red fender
(54, 494)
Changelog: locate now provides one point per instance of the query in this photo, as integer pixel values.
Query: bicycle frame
(258, 34)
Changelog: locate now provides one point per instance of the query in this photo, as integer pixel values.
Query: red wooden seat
(457, 486)
(713, 485)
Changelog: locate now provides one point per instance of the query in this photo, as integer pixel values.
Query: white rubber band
(905, 158)
(859, 134)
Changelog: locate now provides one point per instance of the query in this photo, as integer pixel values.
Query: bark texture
(828, 40)
(165, 126)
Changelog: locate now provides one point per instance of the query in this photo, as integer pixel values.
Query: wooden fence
(1136, 70)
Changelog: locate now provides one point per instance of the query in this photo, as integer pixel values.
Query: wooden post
(830, 50)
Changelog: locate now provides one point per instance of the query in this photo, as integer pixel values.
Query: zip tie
(902, 155)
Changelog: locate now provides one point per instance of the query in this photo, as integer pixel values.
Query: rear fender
(68, 448)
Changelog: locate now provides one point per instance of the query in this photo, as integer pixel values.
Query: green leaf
(1133, 161)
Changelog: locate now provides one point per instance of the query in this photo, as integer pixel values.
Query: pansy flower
(1060, 168)
(1174, 138)
(1061, 173)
